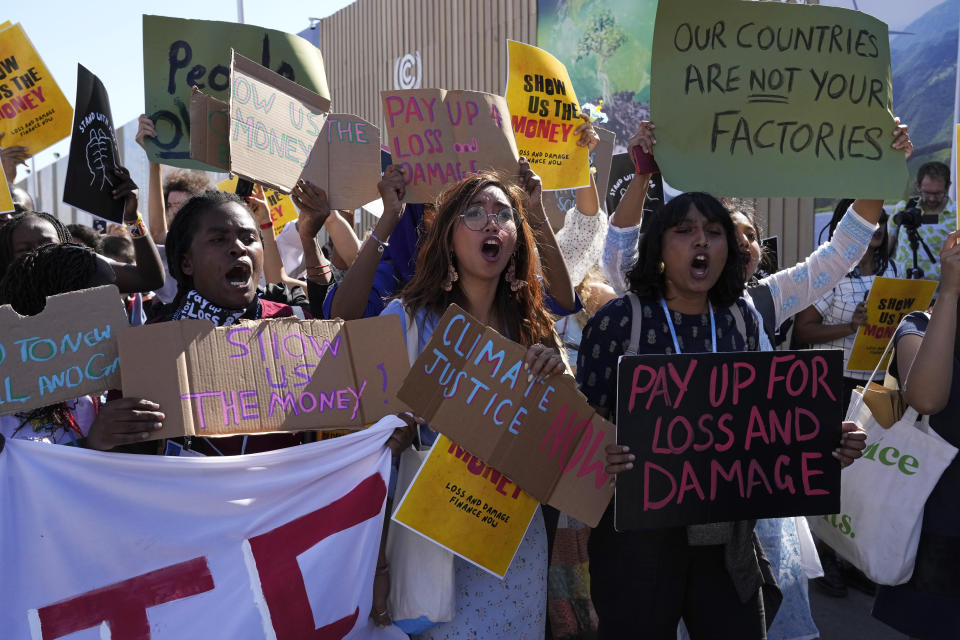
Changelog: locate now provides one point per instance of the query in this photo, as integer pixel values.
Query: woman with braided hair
(50, 270)
(32, 229)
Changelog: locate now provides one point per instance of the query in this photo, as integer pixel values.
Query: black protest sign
(728, 436)
(622, 172)
(90, 177)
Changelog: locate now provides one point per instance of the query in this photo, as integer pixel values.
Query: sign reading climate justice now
(774, 100)
(179, 54)
(890, 299)
(470, 384)
(545, 113)
(728, 436)
(60, 354)
(439, 137)
(281, 374)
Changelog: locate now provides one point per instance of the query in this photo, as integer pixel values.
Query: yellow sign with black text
(282, 209)
(467, 507)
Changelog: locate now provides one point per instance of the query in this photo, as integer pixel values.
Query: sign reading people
(774, 100)
(467, 507)
(34, 113)
(470, 384)
(60, 353)
(278, 545)
(439, 137)
(728, 436)
(890, 299)
(179, 54)
(94, 153)
(281, 374)
(545, 113)
(274, 123)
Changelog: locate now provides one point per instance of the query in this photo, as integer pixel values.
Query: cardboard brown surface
(281, 374)
(345, 161)
(542, 435)
(556, 203)
(274, 123)
(209, 130)
(440, 136)
(67, 350)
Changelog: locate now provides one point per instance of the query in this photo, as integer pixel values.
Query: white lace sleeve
(581, 242)
(620, 253)
(801, 285)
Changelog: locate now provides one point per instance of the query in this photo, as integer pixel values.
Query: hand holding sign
(124, 421)
(313, 205)
(10, 157)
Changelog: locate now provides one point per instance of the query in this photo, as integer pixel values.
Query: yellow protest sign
(34, 113)
(467, 507)
(6, 198)
(282, 209)
(889, 301)
(545, 113)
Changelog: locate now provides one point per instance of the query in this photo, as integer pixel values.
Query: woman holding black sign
(480, 254)
(688, 285)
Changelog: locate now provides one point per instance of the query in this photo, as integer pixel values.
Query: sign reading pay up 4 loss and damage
(728, 436)
(470, 384)
(774, 100)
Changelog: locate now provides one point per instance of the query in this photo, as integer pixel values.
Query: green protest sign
(762, 99)
(178, 54)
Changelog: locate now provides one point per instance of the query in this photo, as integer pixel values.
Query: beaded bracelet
(136, 229)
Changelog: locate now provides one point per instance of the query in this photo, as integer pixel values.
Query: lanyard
(673, 332)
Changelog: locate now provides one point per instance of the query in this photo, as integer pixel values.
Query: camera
(912, 217)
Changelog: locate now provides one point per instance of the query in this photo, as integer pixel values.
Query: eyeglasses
(475, 218)
(933, 194)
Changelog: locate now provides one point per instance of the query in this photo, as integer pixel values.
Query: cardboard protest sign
(210, 130)
(67, 350)
(6, 197)
(728, 436)
(282, 209)
(94, 154)
(889, 300)
(470, 384)
(274, 123)
(774, 100)
(440, 136)
(545, 112)
(557, 203)
(282, 374)
(34, 113)
(179, 54)
(467, 507)
(345, 161)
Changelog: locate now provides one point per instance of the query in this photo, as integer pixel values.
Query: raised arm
(10, 157)
(584, 226)
(353, 292)
(926, 364)
(556, 279)
(147, 274)
(346, 244)
(314, 211)
(156, 208)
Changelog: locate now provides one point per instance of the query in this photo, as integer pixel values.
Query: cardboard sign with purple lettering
(728, 436)
(281, 374)
(470, 384)
(440, 136)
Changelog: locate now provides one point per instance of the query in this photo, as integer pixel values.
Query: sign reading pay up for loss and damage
(281, 374)
(470, 384)
(769, 99)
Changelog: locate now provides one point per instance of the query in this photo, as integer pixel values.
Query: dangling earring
(510, 276)
(452, 275)
(662, 266)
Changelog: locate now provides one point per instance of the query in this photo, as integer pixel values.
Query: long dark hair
(881, 254)
(647, 278)
(523, 312)
(7, 229)
(184, 227)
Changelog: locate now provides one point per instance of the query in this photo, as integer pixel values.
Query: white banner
(279, 545)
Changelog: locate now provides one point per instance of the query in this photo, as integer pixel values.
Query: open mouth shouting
(238, 276)
(490, 249)
(700, 266)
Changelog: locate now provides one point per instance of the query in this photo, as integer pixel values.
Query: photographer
(933, 184)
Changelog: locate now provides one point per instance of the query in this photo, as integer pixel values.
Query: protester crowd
(682, 280)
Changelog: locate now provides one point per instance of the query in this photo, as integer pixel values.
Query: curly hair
(184, 227)
(192, 182)
(523, 313)
(8, 229)
(647, 279)
(43, 272)
(87, 236)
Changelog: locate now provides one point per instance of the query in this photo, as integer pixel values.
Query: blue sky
(106, 37)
